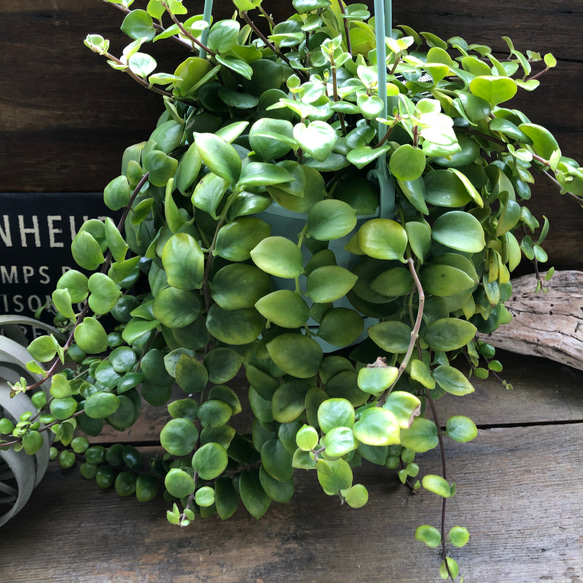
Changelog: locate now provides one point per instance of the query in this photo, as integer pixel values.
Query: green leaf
(452, 380)
(183, 261)
(238, 65)
(117, 193)
(331, 219)
(383, 239)
(219, 156)
(271, 139)
(222, 364)
(160, 166)
(421, 436)
(253, 496)
(284, 308)
(90, 336)
(356, 496)
(205, 497)
(329, 283)
(239, 286)
(226, 498)
(459, 230)
(101, 405)
(459, 536)
(104, 293)
(307, 438)
(421, 374)
(395, 282)
(340, 441)
(289, 401)
(138, 24)
(428, 535)
(278, 491)
(179, 436)
(317, 139)
(334, 475)
(295, 354)
(445, 280)
(392, 336)
(179, 483)
(414, 191)
(407, 162)
(341, 326)
(115, 241)
(377, 426)
(493, 89)
(444, 188)
(376, 379)
(176, 308)
(276, 461)
(362, 156)
(237, 239)
(543, 142)
(437, 485)
(278, 256)
(210, 461)
(76, 284)
(235, 327)
(208, 193)
(86, 251)
(63, 408)
(261, 174)
(449, 334)
(32, 442)
(404, 406)
(190, 374)
(188, 168)
(44, 348)
(419, 236)
(461, 428)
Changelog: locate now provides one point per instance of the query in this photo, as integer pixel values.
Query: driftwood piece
(545, 324)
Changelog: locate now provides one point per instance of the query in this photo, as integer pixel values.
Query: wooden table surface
(519, 492)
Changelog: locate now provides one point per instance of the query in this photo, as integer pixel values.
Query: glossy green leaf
(86, 251)
(90, 336)
(278, 256)
(307, 438)
(138, 24)
(209, 192)
(377, 426)
(278, 491)
(459, 536)
(428, 535)
(276, 461)
(461, 428)
(236, 327)
(459, 230)
(190, 374)
(336, 412)
(394, 282)
(104, 293)
(183, 261)
(317, 139)
(331, 219)
(288, 401)
(117, 193)
(239, 286)
(452, 380)
(404, 406)
(543, 142)
(421, 436)
(340, 441)
(334, 475)
(341, 326)
(188, 168)
(179, 436)
(253, 496)
(445, 280)
(43, 348)
(256, 174)
(419, 236)
(407, 162)
(449, 334)
(375, 380)
(176, 308)
(210, 461)
(392, 336)
(270, 138)
(414, 191)
(64, 408)
(219, 156)
(76, 283)
(437, 485)
(295, 354)
(284, 308)
(494, 90)
(383, 239)
(222, 364)
(236, 240)
(179, 483)
(101, 405)
(329, 283)
(421, 373)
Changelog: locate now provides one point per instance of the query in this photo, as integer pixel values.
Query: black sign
(36, 231)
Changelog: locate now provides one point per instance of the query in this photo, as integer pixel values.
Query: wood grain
(66, 117)
(519, 493)
(547, 324)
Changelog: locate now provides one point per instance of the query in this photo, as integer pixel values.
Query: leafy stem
(414, 332)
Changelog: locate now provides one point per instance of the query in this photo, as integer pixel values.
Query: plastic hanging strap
(383, 21)
(207, 15)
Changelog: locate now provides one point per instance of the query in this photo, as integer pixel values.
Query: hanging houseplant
(315, 188)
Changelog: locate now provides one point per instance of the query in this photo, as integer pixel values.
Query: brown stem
(444, 475)
(346, 26)
(414, 332)
(187, 34)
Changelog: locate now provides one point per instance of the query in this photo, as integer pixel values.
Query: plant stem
(444, 475)
(414, 332)
(187, 34)
(346, 26)
(270, 45)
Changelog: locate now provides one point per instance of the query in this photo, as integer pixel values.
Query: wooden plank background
(519, 492)
(66, 117)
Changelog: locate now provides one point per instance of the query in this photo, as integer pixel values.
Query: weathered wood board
(547, 323)
(519, 492)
